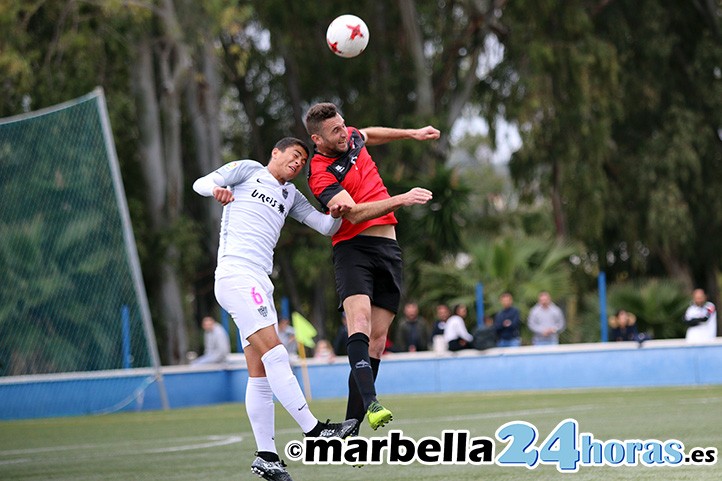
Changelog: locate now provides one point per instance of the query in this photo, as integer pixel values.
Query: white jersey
(251, 224)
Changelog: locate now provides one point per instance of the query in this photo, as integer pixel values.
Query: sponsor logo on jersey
(269, 200)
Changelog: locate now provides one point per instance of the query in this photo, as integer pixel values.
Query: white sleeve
(232, 173)
(305, 213)
(204, 186)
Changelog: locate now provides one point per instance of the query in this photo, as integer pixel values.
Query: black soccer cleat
(270, 470)
(338, 430)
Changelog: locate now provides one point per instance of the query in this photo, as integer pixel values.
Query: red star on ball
(333, 46)
(355, 31)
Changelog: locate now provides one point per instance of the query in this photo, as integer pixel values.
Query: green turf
(215, 443)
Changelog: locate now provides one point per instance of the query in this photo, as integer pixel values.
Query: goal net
(71, 294)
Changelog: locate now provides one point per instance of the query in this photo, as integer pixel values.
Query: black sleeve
(695, 321)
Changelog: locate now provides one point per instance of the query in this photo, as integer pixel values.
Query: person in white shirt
(456, 335)
(216, 343)
(701, 318)
(257, 200)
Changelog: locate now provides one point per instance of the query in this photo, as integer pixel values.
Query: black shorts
(371, 266)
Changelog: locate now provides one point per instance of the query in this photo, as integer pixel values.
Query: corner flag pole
(304, 370)
(305, 332)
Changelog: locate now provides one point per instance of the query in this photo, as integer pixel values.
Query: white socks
(286, 388)
(259, 406)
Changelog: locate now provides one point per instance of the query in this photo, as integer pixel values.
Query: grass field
(215, 443)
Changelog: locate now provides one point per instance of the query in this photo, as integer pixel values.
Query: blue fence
(608, 365)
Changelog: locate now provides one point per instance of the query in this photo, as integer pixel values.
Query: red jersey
(354, 171)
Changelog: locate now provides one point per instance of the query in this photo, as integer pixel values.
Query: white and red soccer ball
(347, 36)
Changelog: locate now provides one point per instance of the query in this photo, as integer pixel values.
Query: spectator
(287, 335)
(485, 336)
(455, 333)
(216, 343)
(546, 321)
(623, 327)
(323, 351)
(437, 333)
(701, 318)
(339, 342)
(507, 323)
(412, 334)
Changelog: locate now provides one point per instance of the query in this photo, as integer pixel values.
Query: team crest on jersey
(263, 310)
(285, 193)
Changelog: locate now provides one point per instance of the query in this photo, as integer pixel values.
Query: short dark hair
(287, 142)
(317, 114)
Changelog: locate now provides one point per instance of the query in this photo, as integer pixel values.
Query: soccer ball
(347, 36)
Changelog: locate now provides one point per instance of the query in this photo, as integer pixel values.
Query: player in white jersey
(256, 202)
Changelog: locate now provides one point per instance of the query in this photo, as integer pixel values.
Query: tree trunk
(424, 86)
(560, 223)
(151, 141)
(677, 269)
(247, 99)
(294, 92)
(161, 153)
(203, 106)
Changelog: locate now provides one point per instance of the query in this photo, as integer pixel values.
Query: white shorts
(246, 293)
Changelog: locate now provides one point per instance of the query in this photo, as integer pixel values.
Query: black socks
(364, 369)
(355, 405)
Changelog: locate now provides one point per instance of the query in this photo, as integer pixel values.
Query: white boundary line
(209, 442)
(190, 447)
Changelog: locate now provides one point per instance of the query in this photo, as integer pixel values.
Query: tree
(619, 108)
(522, 266)
(558, 81)
(668, 141)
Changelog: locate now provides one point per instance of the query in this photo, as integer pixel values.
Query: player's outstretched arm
(326, 224)
(357, 213)
(212, 185)
(382, 135)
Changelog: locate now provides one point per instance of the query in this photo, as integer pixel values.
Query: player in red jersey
(367, 258)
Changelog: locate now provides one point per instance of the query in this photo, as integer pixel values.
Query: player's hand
(417, 195)
(427, 133)
(223, 195)
(338, 210)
